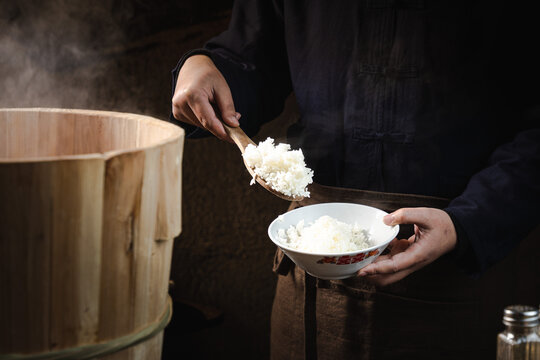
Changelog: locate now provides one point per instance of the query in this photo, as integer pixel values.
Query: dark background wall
(117, 55)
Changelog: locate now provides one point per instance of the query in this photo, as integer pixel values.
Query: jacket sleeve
(499, 205)
(252, 57)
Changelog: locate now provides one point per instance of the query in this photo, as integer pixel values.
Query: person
(427, 110)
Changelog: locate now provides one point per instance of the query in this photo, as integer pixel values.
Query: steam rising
(52, 52)
(107, 54)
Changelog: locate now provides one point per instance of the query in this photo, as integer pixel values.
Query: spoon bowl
(242, 141)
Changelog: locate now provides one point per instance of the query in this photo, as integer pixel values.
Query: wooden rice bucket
(89, 206)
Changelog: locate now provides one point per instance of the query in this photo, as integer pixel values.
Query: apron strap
(310, 317)
(382, 200)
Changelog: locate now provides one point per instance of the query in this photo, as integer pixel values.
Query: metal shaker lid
(522, 315)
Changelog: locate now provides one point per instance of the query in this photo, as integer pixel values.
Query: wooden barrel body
(89, 205)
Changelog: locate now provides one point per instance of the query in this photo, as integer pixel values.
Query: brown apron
(435, 313)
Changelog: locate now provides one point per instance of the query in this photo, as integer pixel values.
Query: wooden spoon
(242, 141)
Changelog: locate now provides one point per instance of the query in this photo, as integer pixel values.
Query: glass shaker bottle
(520, 340)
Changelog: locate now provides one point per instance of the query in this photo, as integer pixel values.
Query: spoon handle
(239, 137)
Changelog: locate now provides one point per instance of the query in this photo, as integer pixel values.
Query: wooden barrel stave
(86, 229)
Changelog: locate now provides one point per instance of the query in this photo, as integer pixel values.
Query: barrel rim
(176, 133)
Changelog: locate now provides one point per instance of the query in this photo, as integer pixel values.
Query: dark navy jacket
(402, 96)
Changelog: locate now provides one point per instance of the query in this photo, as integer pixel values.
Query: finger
(177, 110)
(181, 110)
(386, 279)
(398, 246)
(395, 246)
(390, 247)
(408, 216)
(203, 110)
(225, 103)
(393, 243)
(189, 117)
(395, 263)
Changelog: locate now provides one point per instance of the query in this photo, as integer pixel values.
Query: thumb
(416, 216)
(225, 104)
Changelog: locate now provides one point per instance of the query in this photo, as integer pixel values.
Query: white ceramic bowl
(336, 265)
